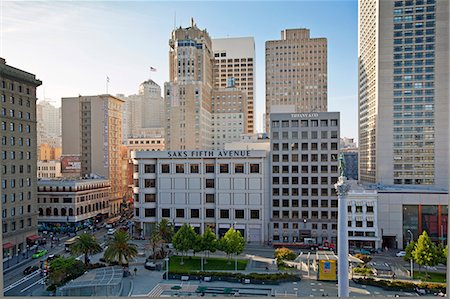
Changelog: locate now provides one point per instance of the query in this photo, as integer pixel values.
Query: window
(254, 214)
(239, 214)
(209, 183)
(210, 213)
(180, 213)
(314, 203)
(179, 168)
(369, 223)
(195, 213)
(209, 168)
(359, 224)
(210, 198)
(149, 168)
(224, 168)
(149, 183)
(369, 209)
(224, 214)
(194, 168)
(239, 168)
(254, 168)
(150, 197)
(165, 168)
(165, 213)
(150, 212)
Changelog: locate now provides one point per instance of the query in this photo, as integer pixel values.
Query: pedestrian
(135, 271)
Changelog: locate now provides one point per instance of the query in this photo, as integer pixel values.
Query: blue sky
(72, 46)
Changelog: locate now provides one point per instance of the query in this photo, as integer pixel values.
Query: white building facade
(216, 189)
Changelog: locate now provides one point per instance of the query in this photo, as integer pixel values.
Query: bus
(69, 242)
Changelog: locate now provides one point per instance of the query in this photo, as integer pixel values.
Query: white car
(401, 254)
(111, 231)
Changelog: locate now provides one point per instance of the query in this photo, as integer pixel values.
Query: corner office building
(404, 92)
(216, 189)
(18, 165)
(304, 161)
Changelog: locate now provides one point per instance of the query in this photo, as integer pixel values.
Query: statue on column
(341, 165)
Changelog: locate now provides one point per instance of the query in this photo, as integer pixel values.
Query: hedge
(399, 285)
(237, 277)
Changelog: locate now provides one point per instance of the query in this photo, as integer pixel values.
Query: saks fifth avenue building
(204, 188)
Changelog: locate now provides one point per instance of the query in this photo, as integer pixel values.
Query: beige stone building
(48, 119)
(229, 116)
(92, 128)
(296, 73)
(49, 169)
(18, 166)
(47, 152)
(404, 92)
(234, 67)
(188, 94)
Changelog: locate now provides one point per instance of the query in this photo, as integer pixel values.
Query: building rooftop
(97, 278)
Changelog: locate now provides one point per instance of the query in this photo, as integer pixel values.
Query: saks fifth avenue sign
(209, 154)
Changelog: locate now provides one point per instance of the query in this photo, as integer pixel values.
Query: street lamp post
(167, 267)
(28, 248)
(411, 239)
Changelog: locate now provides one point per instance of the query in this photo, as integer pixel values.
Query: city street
(15, 283)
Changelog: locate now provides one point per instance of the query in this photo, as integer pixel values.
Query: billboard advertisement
(71, 164)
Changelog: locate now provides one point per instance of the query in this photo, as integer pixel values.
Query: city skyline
(91, 45)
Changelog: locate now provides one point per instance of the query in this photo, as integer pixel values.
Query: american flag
(152, 69)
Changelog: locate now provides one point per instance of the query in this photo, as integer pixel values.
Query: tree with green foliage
(442, 251)
(232, 242)
(64, 269)
(184, 239)
(197, 245)
(119, 249)
(284, 253)
(363, 257)
(86, 244)
(409, 249)
(156, 242)
(425, 252)
(165, 230)
(209, 242)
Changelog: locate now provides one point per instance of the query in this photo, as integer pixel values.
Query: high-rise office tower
(18, 166)
(48, 123)
(144, 112)
(305, 149)
(296, 73)
(234, 67)
(403, 92)
(188, 94)
(92, 130)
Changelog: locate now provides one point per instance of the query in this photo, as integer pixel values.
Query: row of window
(12, 182)
(13, 211)
(15, 168)
(12, 127)
(12, 155)
(195, 213)
(286, 203)
(285, 214)
(304, 135)
(400, 3)
(19, 114)
(13, 225)
(304, 158)
(13, 196)
(304, 123)
(195, 168)
(70, 211)
(294, 225)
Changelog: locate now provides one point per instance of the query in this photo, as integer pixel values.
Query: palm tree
(155, 242)
(119, 250)
(86, 244)
(165, 230)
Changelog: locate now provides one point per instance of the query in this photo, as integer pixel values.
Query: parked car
(150, 266)
(30, 269)
(401, 253)
(111, 231)
(39, 254)
(108, 226)
(52, 257)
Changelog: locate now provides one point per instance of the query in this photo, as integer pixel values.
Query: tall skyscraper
(296, 73)
(234, 67)
(48, 123)
(18, 166)
(403, 92)
(144, 112)
(92, 130)
(188, 94)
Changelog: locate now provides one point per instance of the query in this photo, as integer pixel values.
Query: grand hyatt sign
(209, 154)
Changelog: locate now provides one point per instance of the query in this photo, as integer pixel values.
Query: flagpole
(107, 83)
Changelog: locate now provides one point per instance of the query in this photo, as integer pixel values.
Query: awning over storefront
(8, 245)
(33, 238)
